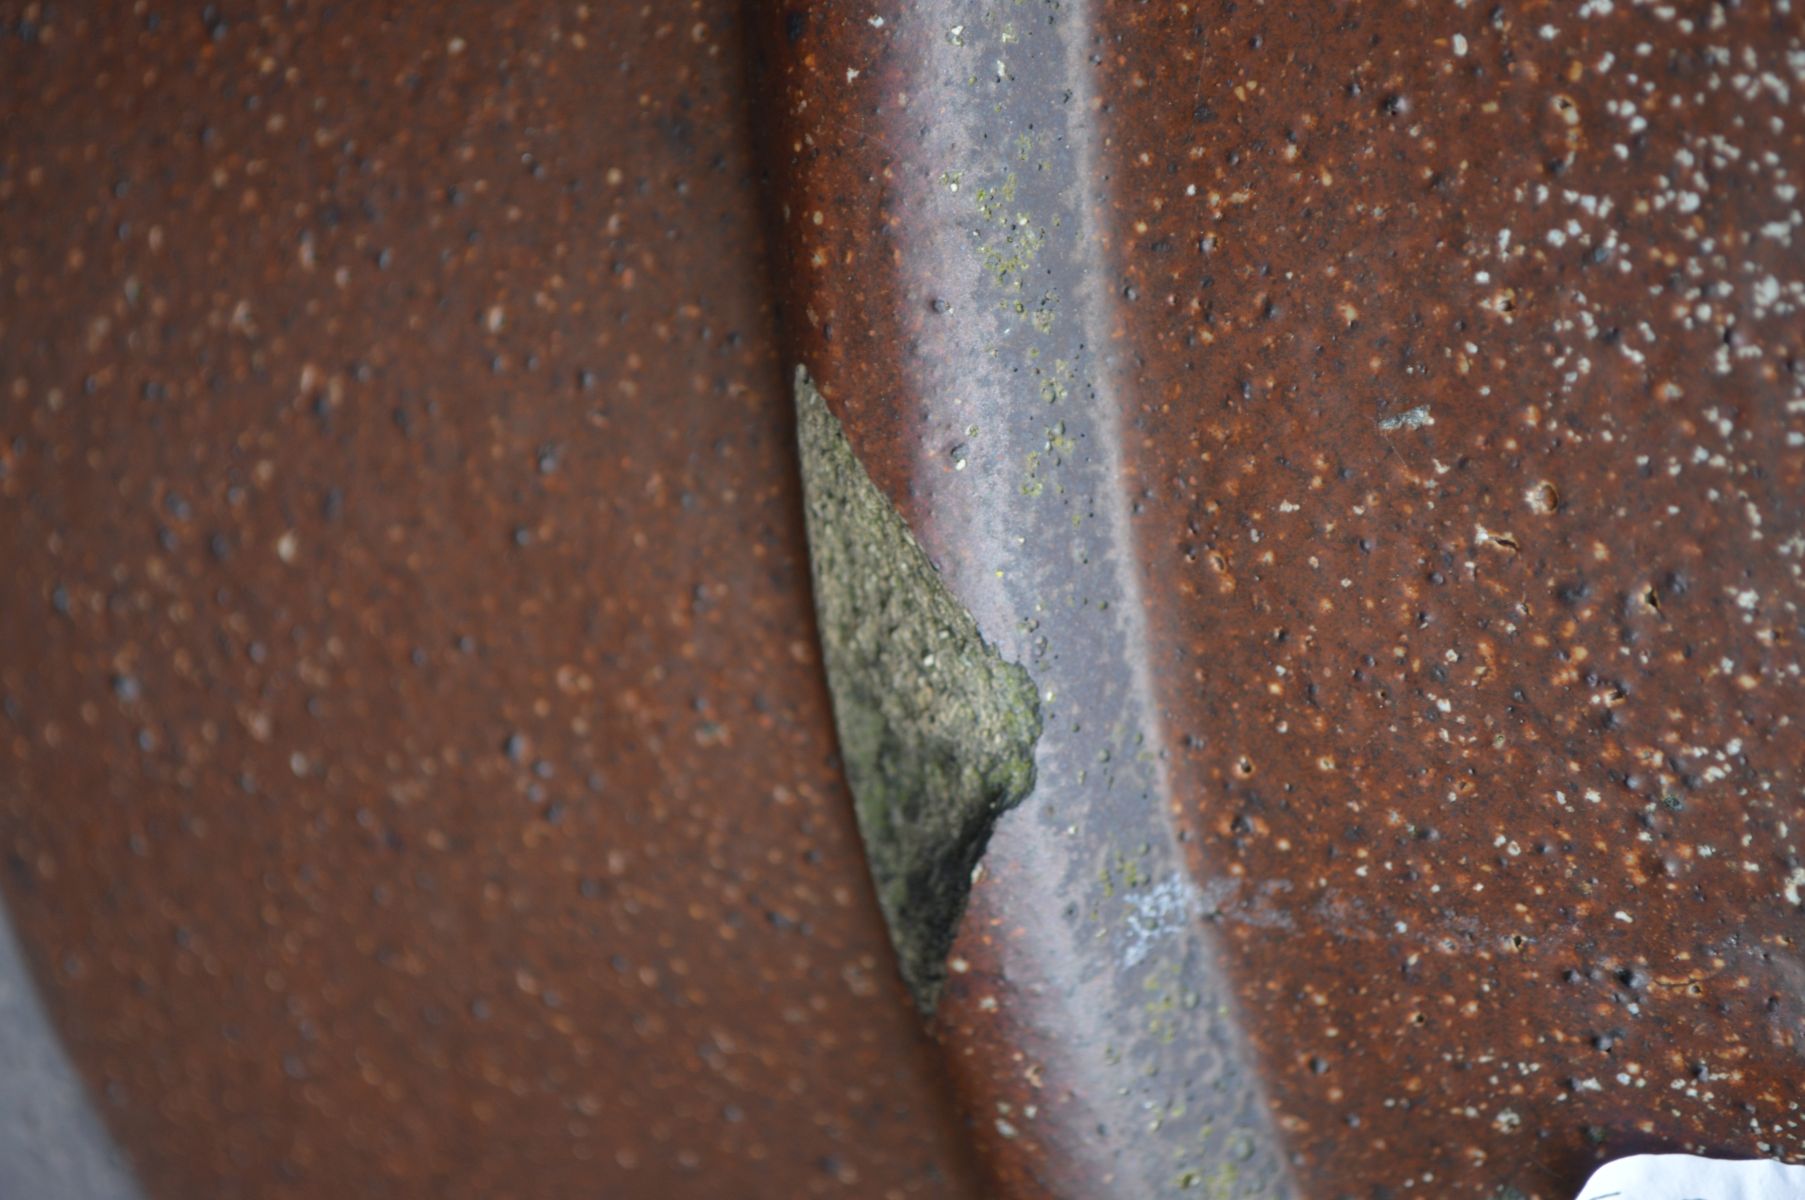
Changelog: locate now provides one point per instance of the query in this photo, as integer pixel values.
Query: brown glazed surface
(415, 774)
(1453, 357)
(939, 279)
(1379, 428)
(1494, 748)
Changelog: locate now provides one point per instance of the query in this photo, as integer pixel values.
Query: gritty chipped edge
(937, 731)
(1415, 418)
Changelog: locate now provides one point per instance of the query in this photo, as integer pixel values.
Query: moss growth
(937, 731)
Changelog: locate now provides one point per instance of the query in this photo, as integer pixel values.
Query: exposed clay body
(936, 730)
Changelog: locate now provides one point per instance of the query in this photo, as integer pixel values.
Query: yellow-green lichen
(937, 730)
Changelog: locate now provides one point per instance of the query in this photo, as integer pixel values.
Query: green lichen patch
(937, 731)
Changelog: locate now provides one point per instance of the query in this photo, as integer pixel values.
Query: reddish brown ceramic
(417, 773)
(1378, 429)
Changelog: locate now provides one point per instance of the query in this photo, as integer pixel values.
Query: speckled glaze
(1468, 405)
(1378, 428)
(416, 776)
(1424, 382)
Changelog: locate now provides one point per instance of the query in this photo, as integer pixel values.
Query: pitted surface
(1470, 415)
(1453, 353)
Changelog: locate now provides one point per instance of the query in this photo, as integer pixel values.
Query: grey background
(52, 1143)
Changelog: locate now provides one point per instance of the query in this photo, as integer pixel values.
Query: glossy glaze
(417, 775)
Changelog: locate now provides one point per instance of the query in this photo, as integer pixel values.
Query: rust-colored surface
(416, 776)
(1436, 375)
(1378, 428)
(1495, 752)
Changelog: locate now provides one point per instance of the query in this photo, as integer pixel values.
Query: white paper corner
(1687, 1177)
